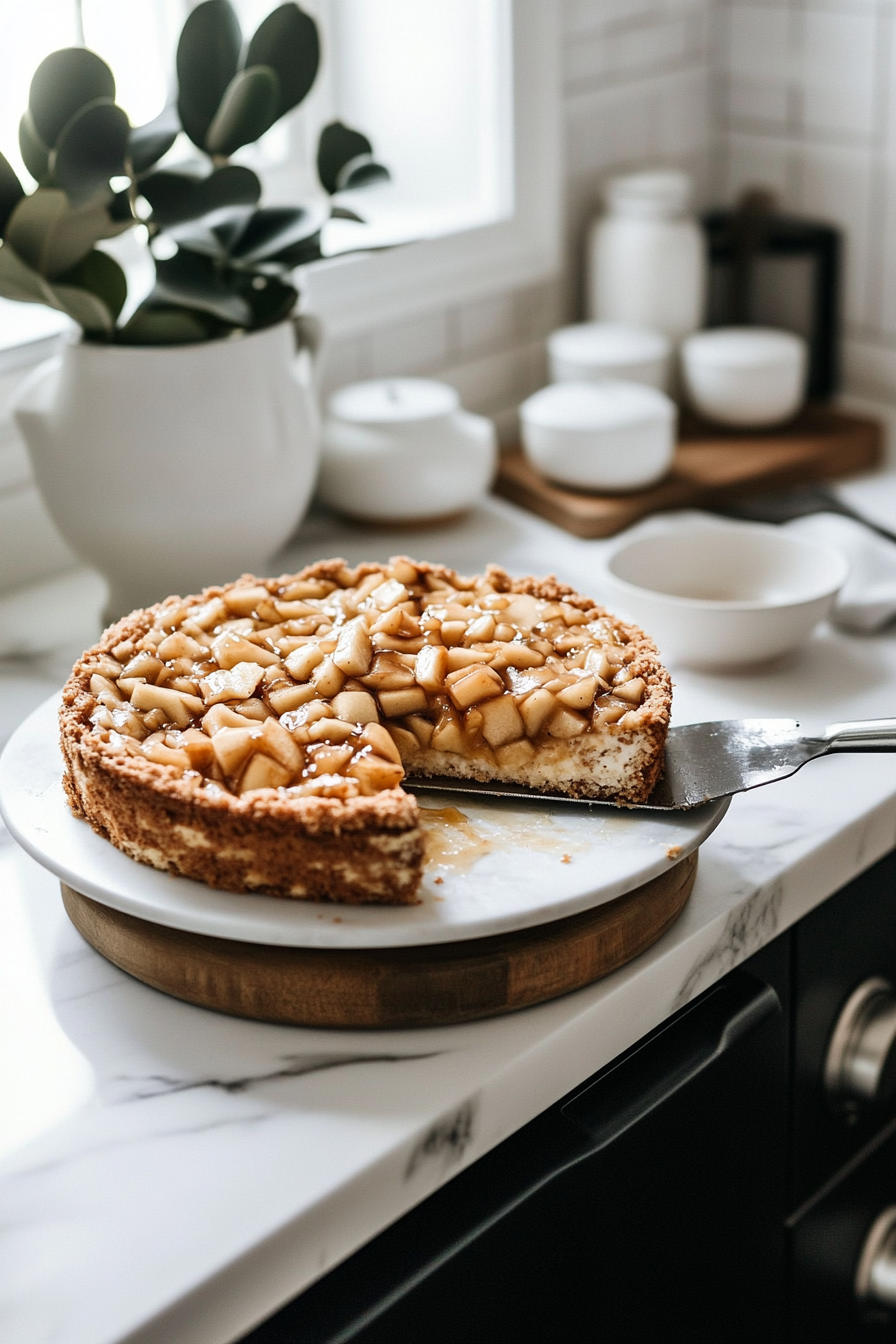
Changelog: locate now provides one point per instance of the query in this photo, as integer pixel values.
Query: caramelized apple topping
(327, 686)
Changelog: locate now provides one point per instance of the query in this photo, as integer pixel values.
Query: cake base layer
(388, 987)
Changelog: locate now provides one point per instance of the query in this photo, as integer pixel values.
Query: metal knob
(860, 1068)
(875, 1283)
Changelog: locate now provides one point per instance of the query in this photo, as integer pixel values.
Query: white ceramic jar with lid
(611, 435)
(647, 255)
(402, 450)
(752, 377)
(591, 351)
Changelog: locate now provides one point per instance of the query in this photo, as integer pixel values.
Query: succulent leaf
(193, 281)
(51, 235)
(148, 143)
(216, 234)
(288, 41)
(337, 146)
(20, 282)
(301, 253)
(87, 310)
(247, 110)
(177, 197)
(11, 192)
(272, 230)
(361, 172)
(90, 150)
(160, 324)
(102, 276)
(271, 300)
(63, 83)
(35, 153)
(207, 60)
(343, 212)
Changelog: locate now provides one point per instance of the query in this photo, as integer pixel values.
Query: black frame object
(739, 240)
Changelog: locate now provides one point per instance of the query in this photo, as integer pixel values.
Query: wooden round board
(423, 986)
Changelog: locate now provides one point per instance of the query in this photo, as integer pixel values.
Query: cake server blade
(707, 761)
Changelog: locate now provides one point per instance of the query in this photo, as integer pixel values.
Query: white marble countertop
(170, 1174)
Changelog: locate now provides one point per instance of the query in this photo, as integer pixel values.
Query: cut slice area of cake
(255, 736)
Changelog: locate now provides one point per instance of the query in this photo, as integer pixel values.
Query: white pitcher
(172, 467)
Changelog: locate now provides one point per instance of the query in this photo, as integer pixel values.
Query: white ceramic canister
(590, 351)
(402, 450)
(647, 255)
(752, 377)
(610, 435)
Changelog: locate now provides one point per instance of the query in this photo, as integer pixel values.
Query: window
(459, 97)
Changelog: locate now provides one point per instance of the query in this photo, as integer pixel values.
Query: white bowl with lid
(592, 351)
(752, 377)
(403, 450)
(726, 596)
(611, 435)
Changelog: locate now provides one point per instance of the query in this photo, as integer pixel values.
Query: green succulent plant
(229, 261)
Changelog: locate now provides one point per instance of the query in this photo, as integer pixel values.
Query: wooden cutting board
(388, 987)
(710, 465)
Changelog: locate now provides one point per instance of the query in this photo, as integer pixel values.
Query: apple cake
(255, 736)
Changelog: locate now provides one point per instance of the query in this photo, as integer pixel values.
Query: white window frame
(354, 294)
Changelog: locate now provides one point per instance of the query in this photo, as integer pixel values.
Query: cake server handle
(861, 735)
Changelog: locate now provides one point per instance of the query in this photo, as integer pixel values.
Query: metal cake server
(707, 761)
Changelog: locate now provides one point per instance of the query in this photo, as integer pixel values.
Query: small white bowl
(726, 596)
(592, 351)
(611, 435)
(747, 376)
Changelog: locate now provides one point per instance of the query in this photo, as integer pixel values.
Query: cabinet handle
(861, 1048)
(875, 1282)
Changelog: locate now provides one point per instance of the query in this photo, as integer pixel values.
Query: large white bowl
(611, 435)
(726, 596)
(747, 376)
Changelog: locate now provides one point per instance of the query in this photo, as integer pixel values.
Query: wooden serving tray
(388, 987)
(710, 465)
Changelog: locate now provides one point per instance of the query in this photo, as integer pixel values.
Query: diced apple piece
(580, 694)
(481, 630)
(405, 742)
(515, 755)
(253, 709)
(145, 665)
(629, 719)
(230, 649)
(209, 615)
(198, 747)
(389, 594)
(389, 623)
(285, 698)
(566, 723)
(244, 600)
(105, 690)
(353, 648)
(218, 717)
(501, 721)
(162, 755)
(303, 661)
(518, 656)
(421, 728)
(388, 673)
(395, 704)
(237, 684)
(536, 709)
(379, 739)
(331, 730)
(375, 774)
(632, 691)
(177, 707)
(448, 735)
(504, 632)
(307, 588)
(403, 571)
(480, 683)
(275, 741)
(459, 658)
(327, 678)
(453, 633)
(524, 611)
(597, 663)
(432, 667)
(355, 707)
(233, 745)
(180, 645)
(264, 773)
(331, 759)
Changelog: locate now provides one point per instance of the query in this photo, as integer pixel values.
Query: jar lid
(613, 404)
(393, 401)
(663, 194)
(608, 344)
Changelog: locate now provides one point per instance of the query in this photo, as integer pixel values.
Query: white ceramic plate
(514, 864)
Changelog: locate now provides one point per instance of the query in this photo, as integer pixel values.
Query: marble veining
(170, 1176)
